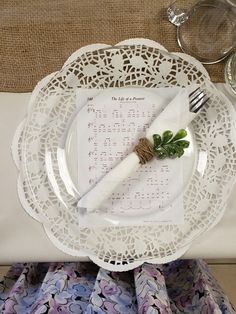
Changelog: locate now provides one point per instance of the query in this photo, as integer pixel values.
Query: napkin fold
(175, 116)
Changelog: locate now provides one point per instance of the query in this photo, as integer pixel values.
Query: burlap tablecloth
(37, 36)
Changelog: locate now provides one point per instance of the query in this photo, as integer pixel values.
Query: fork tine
(195, 96)
(200, 105)
(193, 92)
(196, 99)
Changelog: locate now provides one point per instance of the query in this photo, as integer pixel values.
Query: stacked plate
(48, 189)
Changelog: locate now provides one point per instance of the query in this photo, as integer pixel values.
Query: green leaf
(179, 135)
(182, 143)
(180, 153)
(167, 136)
(169, 146)
(160, 153)
(157, 140)
(179, 150)
(174, 150)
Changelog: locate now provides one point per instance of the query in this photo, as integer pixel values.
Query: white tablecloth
(23, 239)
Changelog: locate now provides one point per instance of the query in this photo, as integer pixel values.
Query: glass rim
(199, 58)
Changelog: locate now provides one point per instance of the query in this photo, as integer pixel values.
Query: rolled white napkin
(175, 116)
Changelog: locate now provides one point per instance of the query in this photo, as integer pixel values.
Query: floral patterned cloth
(183, 286)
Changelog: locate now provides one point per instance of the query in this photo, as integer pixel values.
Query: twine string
(144, 150)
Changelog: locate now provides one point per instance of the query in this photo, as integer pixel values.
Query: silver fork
(197, 100)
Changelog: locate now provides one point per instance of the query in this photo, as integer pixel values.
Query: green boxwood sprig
(168, 145)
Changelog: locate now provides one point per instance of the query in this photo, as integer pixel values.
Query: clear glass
(230, 74)
(178, 11)
(207, 30)
(176, 14)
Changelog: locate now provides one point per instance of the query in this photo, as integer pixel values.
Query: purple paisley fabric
(183, 286)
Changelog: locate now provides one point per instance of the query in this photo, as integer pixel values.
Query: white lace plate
(44, 183)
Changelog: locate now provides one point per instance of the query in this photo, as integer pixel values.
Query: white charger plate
(44, 181)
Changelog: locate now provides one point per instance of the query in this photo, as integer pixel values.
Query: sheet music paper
(109, 126)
